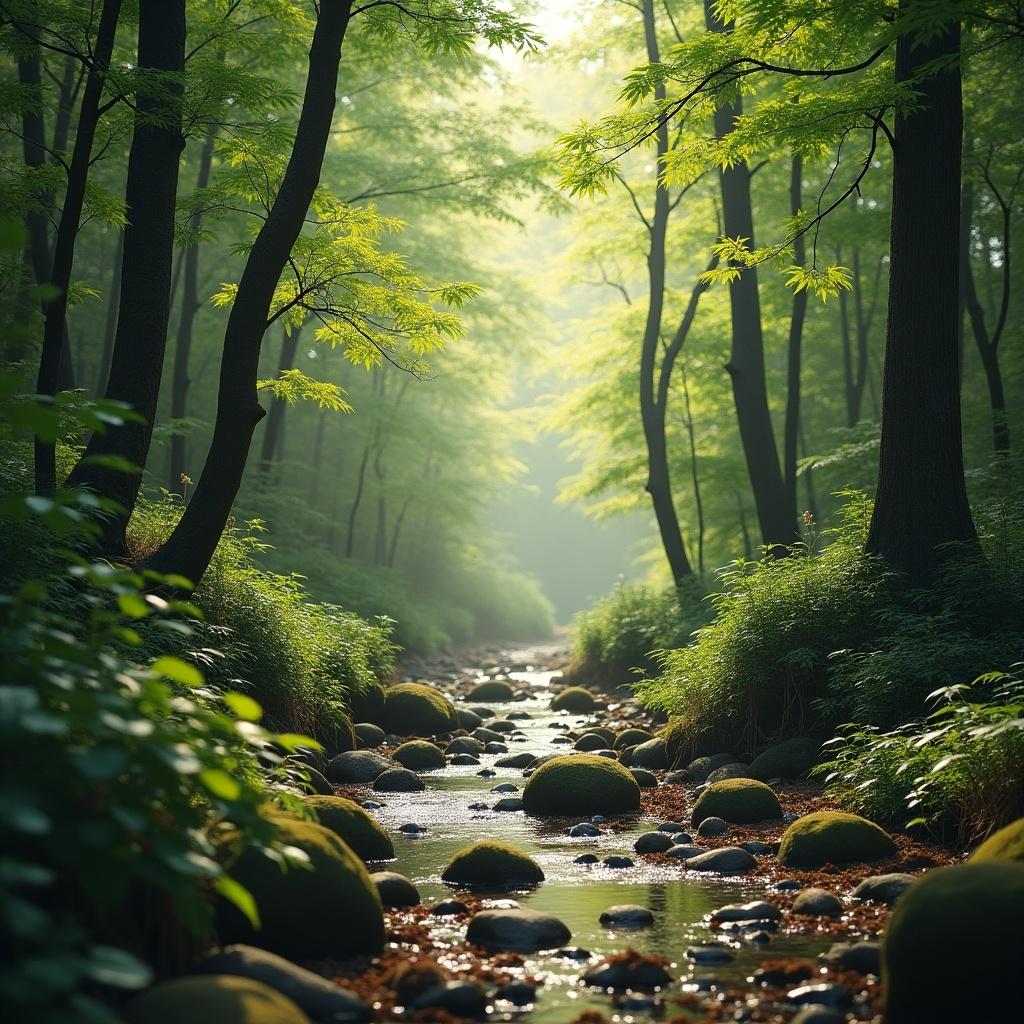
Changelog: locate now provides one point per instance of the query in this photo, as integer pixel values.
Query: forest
(511, 510)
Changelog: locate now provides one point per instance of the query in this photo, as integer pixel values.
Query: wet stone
(819, 1015)
(885, 889)
(834, 997)
(505, 787)
(410, 828)
(759, 910)
(479, 805)
(712, 827)
(459, 998)
(729, 860)
(371, 805)
(395, 890)
(449, 908)
(515, 760)
(518, 993)
(465, 759)
(509, 804)
(684, 851)
(398, 780)
(710, 955)
(863, 957)
(574, 953)
(520, 930)
(586, 858)
(653, 842)
(671, 827)
(487, 773)
(617, 861)
(495, 748)
(627, 915)
(584, 830)
(816, 902)
(636, 973)
(786, 885)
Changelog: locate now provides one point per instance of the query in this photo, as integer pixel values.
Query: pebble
(816, 903)
(494, 747)
(487, 773)
(371, 805)
(586, 858)
(509, 803)
(758, 849)
(617, 861)
(862, 957)
(518, 993)
(410, 828)
(712, 827)
(627, 915)
(459, 998)
(786, 885)
(682, 838)
(449, 908)
(710, 955)
(395, 890)
(584, 828)
(573, 953)
(835, 997)
(653, 842)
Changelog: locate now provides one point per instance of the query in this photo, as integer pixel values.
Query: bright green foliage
(347, 820)
(833, 837)
(324, 904)
(492, 864)
(975, 903)
(581, 784)
(415, 709)
(219, 997)
(420, 756)
(738, 801)
(959, 769)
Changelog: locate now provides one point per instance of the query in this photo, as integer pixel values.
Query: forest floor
(763, 970)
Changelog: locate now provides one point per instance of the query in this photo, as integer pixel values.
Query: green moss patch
(575, 698)
(581, 784)
(1006, 844)
(347, 820)
(420, 756)
(490, 863)
(631, 738)
(415, 709)
(738, 801)
(833, 837)
(948, 952)
(494, 691)
(328, 909)
(220, 997)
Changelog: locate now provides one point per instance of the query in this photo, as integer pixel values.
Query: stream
(573, 892)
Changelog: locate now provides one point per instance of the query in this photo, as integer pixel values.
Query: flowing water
(575, 893)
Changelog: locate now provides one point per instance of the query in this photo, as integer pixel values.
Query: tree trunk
(921, 501)
(794, 348)
(652, 412)
(275, 418)
(110, 322)
(190, 547)
(698, 500)
(190, 306)
(56, 350)
(746, 360)
(350, 540)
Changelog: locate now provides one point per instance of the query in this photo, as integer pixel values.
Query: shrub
(961, 769)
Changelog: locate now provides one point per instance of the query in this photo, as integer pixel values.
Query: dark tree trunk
(357, 498)
(794, 352)
(652, 412)
(318, 454)
(110, 321)
(746, 361)
(396, 532)
(55, 358)
(65, 104)
(269, 450)
(698, 500)
(190, 306)
(151, 187)
(190, 547)
(921, 501)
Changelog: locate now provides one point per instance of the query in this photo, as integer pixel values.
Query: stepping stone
(509, 804)
(653, 842)
(395, 890)
(356, 766)
(729, 860)
(626, 915)
(816, 902)
(584, 829)
(398, 780)
(515, 760)
(505, 787)
(517, 930)
(410, 828)
(617, 861)
(671, 827)
(759, 910)
(586, 858)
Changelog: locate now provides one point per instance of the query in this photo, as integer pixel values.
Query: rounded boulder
(420, 756)
(1006, 844)
(415, 709)
(494, 691)
(581, 784)
(575, 698)
(347, 820)
(213, 999)
(833, 837)
(737, 801)
(492, 864)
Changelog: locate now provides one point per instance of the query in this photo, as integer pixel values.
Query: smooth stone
(653, 842)
(449, 908)
(519, 715)
(598, 819)
(518, 993)
(395, 890)
(682, 838)
(759, 910)
(759, 849)
(410, 828)
(617, 861)
(459, 998)
(518, 930)
(584, 829)
(465, 759)
(710, 955)
(479, 805)
(737, 770)
(562, 740)
(515, 760)
(684, 851)
(371, 805)
(488, 736)
(677, 778)
(712, 827)
(835, 997)
(314, 995)
(573, 953)
(495, 748)
(464, 745)
(505, 787)
(369, 735)
(787, 885)
(586, 858)
(651, 754)
(644, 779)
(729, 860)
(627, 915)
(671, 827)
(502, 725)
(398, 780)
(618, 975)
(862, 957)
(356, 766)
(817, 903)
(316, 781)
(487, 773)
(509, 803)
(885, 889)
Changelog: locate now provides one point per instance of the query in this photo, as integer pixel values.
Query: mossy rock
(328, 909)
(575, 698)
(494, 691)
(420, 756)
(606, 735)
(369, 706)
(581, 784)
(1006, 844)
(631, 738)
(355, 826)
(490, 863)
(790, 759)
(338, 737)
(949, 952)
(415, 709)
(213, 999)
(833, 837)
(589, 742)
(737, 801)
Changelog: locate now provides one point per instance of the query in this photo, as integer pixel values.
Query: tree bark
(110, 321)
(746, 366)
(56, 350)
(190, 306)
(275, 418)
(921, 500)
(794, 352)
(190, 547)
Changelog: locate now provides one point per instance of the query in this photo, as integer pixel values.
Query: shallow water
(575, 893)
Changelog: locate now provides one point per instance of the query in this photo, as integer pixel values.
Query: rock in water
(728, 860)
(213, 999)
(816, 902)
(581, 784)
(626, 916)
(398, 780)
(653, 842)
(575, 698)
(492, 864)
(420, 756)
(414, 709)
(885, 889)
(356, 766)
(494, 691)
(395, 890)
(517, 930)
(629, 970)
(347, 820)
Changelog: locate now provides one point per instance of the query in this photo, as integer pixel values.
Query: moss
(833, 837)
(213, 997)
(575, 698)
(581, 784)
(489, 863)
(355, 826)
(1006, 844)
(787, 760)
(964, 917)
(415, 709)
(738, 801)
(631, 738)
(420, 756)
(494, 691)
(328, 909)
(369, 706)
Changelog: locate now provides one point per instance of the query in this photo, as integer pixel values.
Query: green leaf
(236, 893)
(118, 968)
(220, 784)
(133, 605)
(243, 706)
(177, 671)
